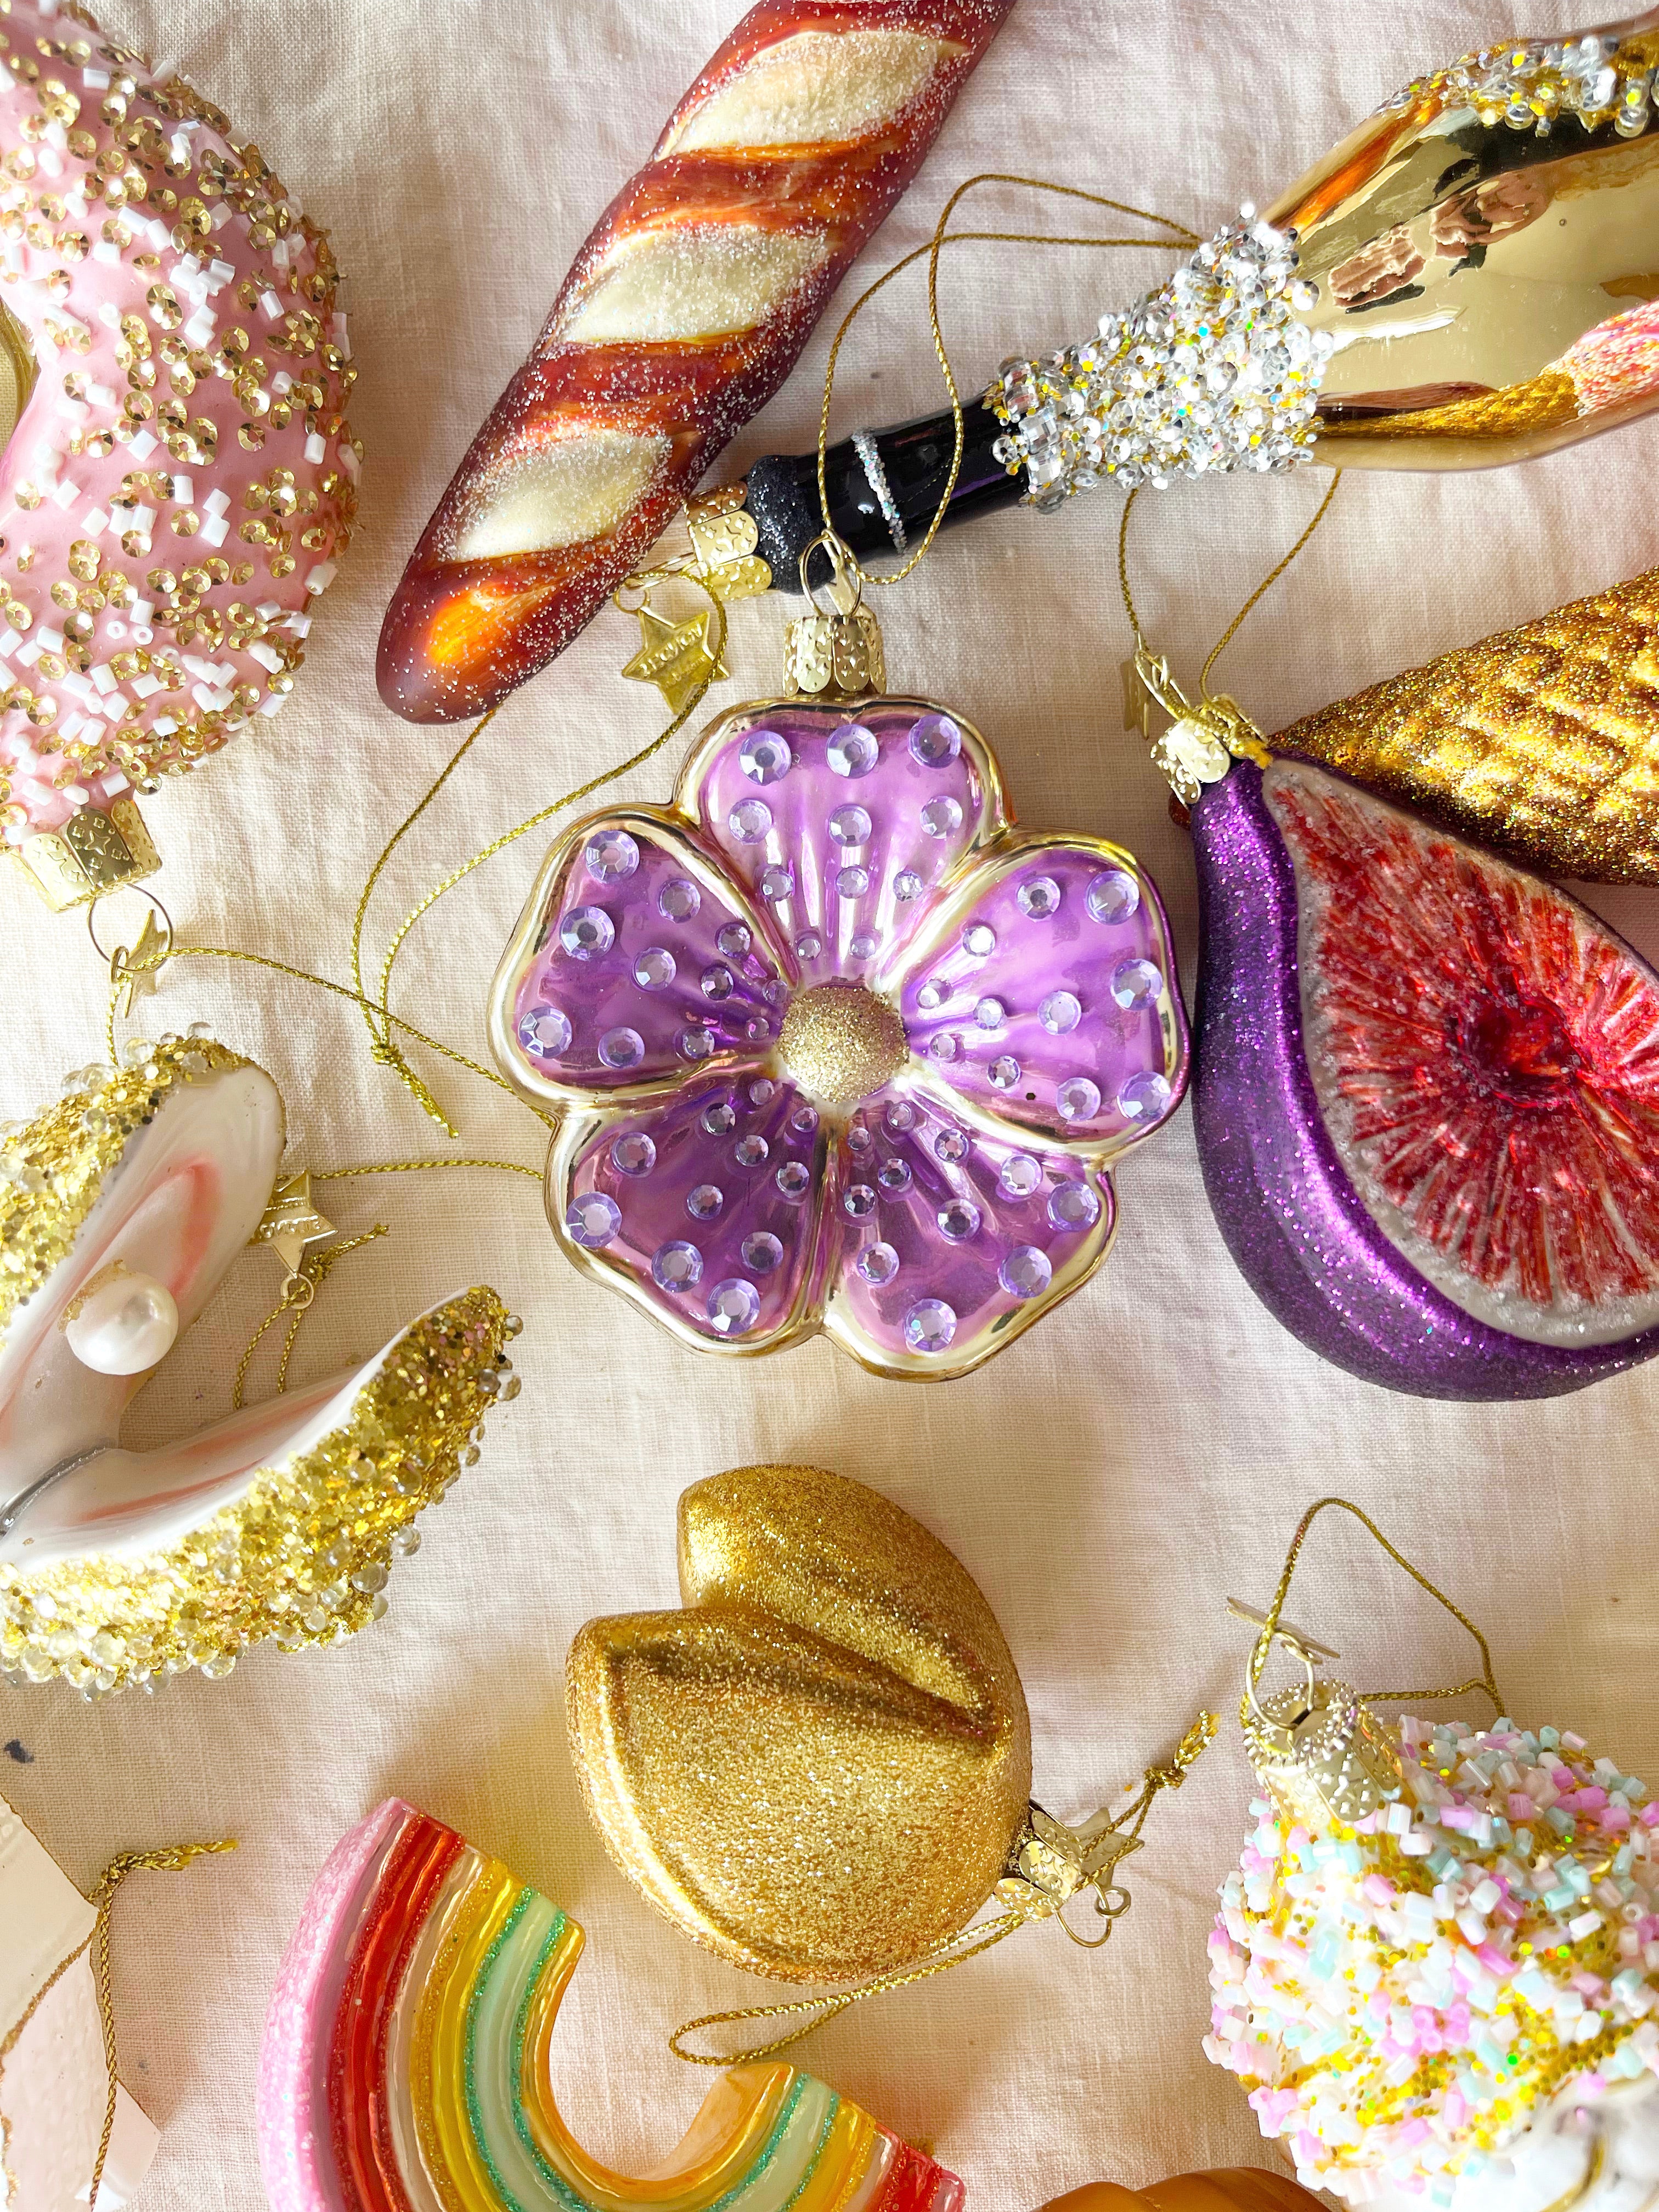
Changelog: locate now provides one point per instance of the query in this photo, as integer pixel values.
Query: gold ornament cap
(833, 654)
(1322, 1755)
(92, 854)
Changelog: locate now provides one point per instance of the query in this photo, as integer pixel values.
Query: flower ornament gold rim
(582, 1113)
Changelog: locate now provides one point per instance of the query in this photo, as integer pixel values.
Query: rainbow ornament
(406, 2064)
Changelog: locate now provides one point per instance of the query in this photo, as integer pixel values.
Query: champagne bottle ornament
(409, 2062)
(832, 1043)
(1426, 1096)
(122, 1208)
(1463, 280)
(1435, 1965)
(820, 1768)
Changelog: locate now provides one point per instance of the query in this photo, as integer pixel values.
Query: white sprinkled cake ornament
(1434, 1968)
(180, 480)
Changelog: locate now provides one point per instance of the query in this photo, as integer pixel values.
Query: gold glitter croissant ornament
(820, 1767)
(121, 1209)
(1542, 742)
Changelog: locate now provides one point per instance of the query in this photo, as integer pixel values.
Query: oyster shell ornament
(121, 1209)
(821, 1768)
(1435, 1963)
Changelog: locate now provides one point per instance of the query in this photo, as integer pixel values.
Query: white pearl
(125, 1325)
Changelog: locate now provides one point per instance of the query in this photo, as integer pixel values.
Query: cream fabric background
(1111, 1478)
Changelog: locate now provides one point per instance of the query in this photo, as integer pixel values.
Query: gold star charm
(135, 969)
(676, 657)
(291, 1221)
(1136, 699)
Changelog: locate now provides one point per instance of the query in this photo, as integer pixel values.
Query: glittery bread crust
(182, 479)
(460, 634)
(1541, 742)
(818, 1768)
(301, 1555)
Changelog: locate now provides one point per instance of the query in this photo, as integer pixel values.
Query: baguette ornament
(683, 313)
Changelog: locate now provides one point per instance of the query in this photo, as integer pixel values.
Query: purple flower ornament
(834, 1045)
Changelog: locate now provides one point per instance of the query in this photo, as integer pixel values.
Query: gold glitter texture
(302, 1556)
(818, 1768)
(304, 1552)
(1542, 742)
(1539, 403)
(840, 1042)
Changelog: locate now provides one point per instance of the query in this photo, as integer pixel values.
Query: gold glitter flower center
(840, 1043)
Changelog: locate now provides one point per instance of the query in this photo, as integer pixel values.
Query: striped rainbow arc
(407, 2064)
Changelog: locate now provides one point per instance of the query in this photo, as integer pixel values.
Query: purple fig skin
(1282, 1198)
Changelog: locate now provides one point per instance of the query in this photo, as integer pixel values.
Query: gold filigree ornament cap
(820, 1767)
(1318, 1750)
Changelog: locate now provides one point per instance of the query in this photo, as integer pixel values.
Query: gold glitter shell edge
(53, 1169)
(303, 1555)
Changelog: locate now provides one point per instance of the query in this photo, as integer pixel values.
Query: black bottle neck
(912, 461)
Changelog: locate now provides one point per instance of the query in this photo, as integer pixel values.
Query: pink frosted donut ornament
(180, 480)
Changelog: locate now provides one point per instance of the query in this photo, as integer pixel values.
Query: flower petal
(635, 961)
(946, 1243)
(841, 823)
(708, 1210)
(1041, 991)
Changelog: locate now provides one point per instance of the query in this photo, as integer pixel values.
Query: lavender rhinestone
(764, 757)
(1026, 1272)
(634, 1153)
(544, 1032)
(733, 1306)
(935, 741)
(878, 1264)
(929, 1326)
(586, 931)
(592, 1219)
(676, 1265)
(611, 855)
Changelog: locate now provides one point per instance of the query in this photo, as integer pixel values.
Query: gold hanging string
(1180, 236)
(322, 983)
(170, 1858)
(954, 1950)
(386, 1050)
(1484, 1681)
(298, 1292)
(1217, 713)
(1112, 1901)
